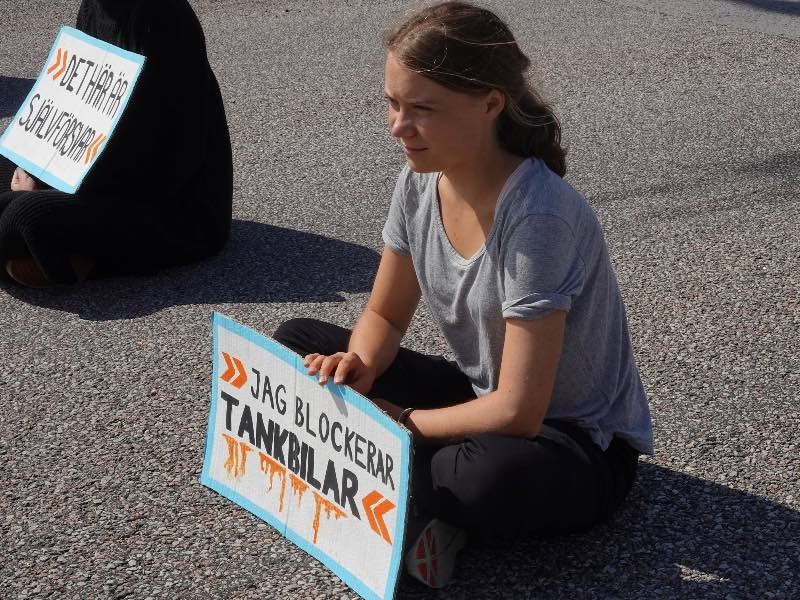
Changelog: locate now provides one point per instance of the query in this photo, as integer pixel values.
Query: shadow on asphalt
(677, 536)
(699, 194)
(14, 91)
(787, 7)
(261, 264)
(785, 163)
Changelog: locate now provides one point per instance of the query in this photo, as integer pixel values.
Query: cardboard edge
(40, 172)
(349, 395)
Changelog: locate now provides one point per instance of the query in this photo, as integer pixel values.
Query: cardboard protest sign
(72, 110)
(323, 465)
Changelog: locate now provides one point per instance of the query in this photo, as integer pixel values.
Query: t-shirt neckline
(505, 191)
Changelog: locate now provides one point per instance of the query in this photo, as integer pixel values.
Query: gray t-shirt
(544, 252)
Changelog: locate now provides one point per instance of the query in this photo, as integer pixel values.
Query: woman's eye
(422, 108)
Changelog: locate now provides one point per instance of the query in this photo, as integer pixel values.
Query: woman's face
(438, 128)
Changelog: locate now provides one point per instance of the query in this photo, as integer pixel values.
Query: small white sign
(72, 110)
(323, 465)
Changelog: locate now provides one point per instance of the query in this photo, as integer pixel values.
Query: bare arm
(377, 334)
(527, 375)
(395, 296)
(531, 354)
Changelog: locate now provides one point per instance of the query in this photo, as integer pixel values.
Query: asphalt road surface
(682, 124)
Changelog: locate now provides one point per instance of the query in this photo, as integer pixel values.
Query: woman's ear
(495, 103)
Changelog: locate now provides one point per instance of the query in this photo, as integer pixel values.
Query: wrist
(402, 418)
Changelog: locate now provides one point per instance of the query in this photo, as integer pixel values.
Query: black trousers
(558, 482)
(122, 235)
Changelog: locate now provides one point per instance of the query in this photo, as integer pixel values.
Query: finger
(328, 365)
(309, 358)
(344, 368)
(316, 364)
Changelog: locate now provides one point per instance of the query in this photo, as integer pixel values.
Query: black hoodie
(171, 148)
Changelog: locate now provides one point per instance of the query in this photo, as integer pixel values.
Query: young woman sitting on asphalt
(538, 424)
(161, 192)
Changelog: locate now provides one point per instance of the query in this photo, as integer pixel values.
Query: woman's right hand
(346, 368)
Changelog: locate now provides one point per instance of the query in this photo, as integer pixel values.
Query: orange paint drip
(299, 487)
(271, 467)
(329, 507)
(237, 456)
(243, 450)
(232, 464)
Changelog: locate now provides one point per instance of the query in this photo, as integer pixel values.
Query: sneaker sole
(432, 558)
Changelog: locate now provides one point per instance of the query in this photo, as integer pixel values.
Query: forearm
(517, 407)
(375, 340)
(493, 413)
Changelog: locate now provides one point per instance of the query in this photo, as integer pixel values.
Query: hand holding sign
(323, 465)
(346, 367)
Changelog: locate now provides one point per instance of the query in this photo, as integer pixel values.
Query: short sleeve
(543, 270)
(395, 233)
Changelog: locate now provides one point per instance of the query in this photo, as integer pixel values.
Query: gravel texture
(682, 123)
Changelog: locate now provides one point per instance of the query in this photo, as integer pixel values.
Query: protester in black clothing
(161, 191)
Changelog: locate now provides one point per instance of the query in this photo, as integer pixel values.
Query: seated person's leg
(7, 169)
(558, 482)
(40, 238)
(413, 378)
(16, 179)
(306, 336)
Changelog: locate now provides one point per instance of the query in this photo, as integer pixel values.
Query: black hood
(116, 9)
(111, 20)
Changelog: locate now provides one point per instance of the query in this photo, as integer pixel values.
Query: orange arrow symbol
(234, 366)
(375, 513)
(61, 64)
(55, 64)
(91, 149)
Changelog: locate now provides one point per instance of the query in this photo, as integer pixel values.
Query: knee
(290, 330)
(40, 214)
(16, 215)
(305, 336)
(16, 228)
(472, 472)
(483, 478)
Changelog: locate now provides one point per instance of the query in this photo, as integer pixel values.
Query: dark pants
(558, 482)
(37, 224)
(121, 235)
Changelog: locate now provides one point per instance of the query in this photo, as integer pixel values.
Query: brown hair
(470, 50)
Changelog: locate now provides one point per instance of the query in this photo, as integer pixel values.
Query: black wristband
(404, 415)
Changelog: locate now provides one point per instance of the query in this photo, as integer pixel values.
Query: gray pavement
(681, 118)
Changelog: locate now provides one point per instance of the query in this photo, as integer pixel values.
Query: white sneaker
(432, 557)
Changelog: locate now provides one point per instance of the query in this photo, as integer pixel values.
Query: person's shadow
(787, 7)
(12, 93)
(677, 536)
(260, 264)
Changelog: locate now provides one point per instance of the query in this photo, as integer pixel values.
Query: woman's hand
(346, 367)
(22, 182)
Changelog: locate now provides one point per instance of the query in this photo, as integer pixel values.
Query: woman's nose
(400, 125)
